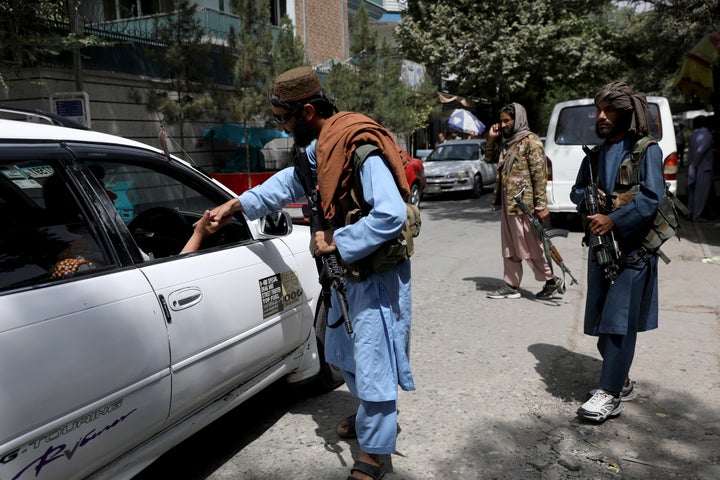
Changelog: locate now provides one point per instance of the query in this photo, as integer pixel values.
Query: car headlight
(459, 175)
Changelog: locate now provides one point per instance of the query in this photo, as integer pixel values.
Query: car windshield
(576, 125)
(452, 152)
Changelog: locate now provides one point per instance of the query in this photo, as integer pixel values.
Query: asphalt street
(499, 381)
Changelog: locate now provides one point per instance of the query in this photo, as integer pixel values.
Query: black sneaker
(556, 286)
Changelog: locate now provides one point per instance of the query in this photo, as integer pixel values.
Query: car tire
(330, 376)
(415, 194)
(477, 189)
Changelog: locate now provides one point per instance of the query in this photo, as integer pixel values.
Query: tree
(259, 59)
(657, 39)
(529, 51)
(184, 58)
(370, 83)
(31, 31)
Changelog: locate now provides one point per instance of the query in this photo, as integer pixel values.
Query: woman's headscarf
(621, 96)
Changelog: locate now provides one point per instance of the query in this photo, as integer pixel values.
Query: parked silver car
(114, 347)
(458, 166)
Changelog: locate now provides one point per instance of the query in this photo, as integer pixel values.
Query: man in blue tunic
(374, 359)
(618, 307)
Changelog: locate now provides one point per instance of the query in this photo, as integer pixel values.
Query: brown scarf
(340, 136)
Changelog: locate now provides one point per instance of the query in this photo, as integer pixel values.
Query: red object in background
(238, 182)
(414, 172)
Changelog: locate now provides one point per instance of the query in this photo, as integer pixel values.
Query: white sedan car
(114, 346)
(458, 166)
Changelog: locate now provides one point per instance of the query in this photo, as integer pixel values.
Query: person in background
(454, 135)
(680, 142)
(616, 310)
(440, 139)
(374, 358)
(700, 177)
(521, 164)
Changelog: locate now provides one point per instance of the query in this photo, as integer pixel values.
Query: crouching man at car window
(374, 357)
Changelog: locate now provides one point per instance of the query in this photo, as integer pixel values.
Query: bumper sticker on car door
(280, 292)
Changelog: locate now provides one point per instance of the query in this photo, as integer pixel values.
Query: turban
(622, 97)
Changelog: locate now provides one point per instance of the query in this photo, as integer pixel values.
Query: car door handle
(184, 298)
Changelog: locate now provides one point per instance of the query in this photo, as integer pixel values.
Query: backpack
(391, 252)
(666, 222)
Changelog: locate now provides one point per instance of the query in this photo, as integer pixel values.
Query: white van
(572, 125)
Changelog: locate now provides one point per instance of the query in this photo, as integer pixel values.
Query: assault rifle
(329, 269)
(604, 249)
(545, 237)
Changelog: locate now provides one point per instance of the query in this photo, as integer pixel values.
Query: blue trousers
(375, 422)
(617, 352)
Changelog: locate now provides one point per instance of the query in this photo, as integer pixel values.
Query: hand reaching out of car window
(202, 228)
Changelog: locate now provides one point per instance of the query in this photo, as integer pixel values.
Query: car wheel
(415, 194)
(330, 376)
(477, 189)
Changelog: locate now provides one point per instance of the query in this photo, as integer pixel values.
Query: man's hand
(222, 213)
(323, 243)
(600, 224)
(494, 131)
(543, 214)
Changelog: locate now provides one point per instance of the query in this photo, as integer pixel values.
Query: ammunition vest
(355, 207)
(665, 222)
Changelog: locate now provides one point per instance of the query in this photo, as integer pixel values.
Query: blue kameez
(375, 358)
(616, 312)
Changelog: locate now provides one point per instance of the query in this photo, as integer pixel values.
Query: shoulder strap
(593, 155)
(640, 147)
(359, 156)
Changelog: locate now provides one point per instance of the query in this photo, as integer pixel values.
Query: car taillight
(670, 167)
(548, 163)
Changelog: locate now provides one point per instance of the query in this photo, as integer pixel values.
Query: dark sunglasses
(283, 118)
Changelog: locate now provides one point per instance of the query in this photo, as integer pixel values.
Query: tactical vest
(355, 207)
(666, 222)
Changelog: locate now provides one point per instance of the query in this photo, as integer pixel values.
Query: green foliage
(525, 51)
(25, 38)
(370, 83)
(186, 66)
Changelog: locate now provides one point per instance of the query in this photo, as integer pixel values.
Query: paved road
(499, 381)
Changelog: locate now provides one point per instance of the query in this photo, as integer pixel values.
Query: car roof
(20, 130)
(465, 141)
(591, 101)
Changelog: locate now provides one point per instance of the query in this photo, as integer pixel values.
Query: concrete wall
(116, 108)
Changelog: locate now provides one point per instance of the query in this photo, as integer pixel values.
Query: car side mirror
(276, 224)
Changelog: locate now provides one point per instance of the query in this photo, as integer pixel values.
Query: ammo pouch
(666, 221)
(391, 252)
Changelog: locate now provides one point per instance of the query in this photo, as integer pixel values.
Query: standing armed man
(619, 306)
(521, 164)
(374, 357)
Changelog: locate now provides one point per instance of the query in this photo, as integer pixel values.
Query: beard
(608, 130)
(508, 134)
(303, 133)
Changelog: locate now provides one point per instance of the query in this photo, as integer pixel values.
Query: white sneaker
(601, 406)
(628, 393)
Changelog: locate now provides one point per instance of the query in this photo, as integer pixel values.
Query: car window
(160, 205)
(46, 234)
(576, 125)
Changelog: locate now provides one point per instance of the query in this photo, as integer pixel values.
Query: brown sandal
(346, 427)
